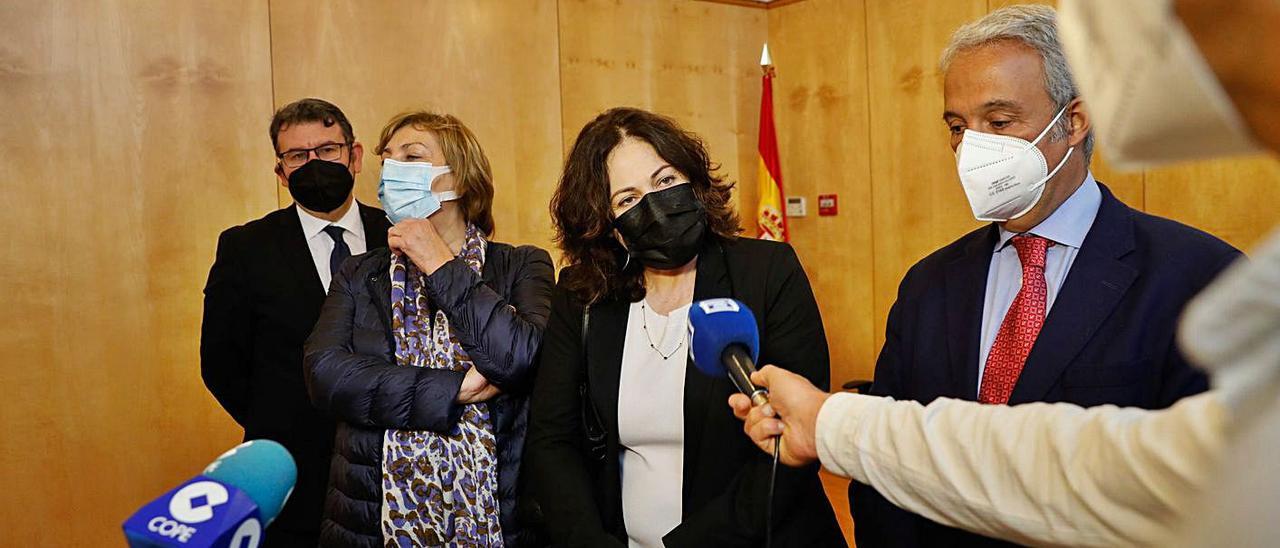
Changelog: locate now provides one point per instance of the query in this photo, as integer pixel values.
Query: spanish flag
(771, 217)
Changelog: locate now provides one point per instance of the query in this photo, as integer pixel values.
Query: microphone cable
(768, 513)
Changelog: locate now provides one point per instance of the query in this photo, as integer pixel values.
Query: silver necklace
(644, 323)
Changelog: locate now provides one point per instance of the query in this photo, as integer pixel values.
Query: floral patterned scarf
(438, 489)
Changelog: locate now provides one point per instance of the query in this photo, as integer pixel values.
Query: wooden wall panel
(492, 63)
(697, 62)
(822, 115)
(1235, 199)
(1128, 186)
(917, 202)
(127, 150)
(824, 136)
(997, 4)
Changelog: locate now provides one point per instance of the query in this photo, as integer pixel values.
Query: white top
(321, 244)
(1067, 228)
(651, 423)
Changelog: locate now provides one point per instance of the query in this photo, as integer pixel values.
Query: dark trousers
(298, 524)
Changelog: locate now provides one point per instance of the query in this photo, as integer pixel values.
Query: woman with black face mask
(628, 444)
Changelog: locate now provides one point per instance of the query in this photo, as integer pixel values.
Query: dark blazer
(261, 301)
(1109, 338)
(498, 317)
(725, 475)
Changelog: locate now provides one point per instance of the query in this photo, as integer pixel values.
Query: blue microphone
(227, 506)
(724, 340)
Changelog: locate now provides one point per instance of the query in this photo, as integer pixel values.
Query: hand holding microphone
(724, 340)
(791, 413)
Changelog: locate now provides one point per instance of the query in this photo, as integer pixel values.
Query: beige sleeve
(1039, 474)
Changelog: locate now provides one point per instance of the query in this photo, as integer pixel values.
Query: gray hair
(1037, 27)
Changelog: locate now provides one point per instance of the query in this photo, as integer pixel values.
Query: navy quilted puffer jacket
(351, 374)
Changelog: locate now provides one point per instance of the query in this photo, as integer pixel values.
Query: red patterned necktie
(1021, 324)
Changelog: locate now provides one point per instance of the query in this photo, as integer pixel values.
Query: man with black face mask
(264, 293)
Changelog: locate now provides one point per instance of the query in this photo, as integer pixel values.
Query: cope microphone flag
(725, 340)
(228, 506)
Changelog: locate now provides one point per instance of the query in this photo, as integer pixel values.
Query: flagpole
(771, 215)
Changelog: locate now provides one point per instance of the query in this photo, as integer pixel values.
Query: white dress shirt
(651, 423)
(321, 244)
(1066, 228)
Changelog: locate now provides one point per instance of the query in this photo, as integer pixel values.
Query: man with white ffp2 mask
(1004, 176)
(1069, 295)
(1065, 476)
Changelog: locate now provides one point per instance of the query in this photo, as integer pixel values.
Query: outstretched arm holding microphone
(1067, 476)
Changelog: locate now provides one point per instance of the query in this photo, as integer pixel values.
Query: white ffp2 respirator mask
(1004, 176)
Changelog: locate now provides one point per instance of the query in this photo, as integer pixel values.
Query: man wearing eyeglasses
(264, 293)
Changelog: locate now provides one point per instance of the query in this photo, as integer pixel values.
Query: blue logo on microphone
(195, 502)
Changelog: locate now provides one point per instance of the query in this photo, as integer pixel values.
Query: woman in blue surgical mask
(424, 352)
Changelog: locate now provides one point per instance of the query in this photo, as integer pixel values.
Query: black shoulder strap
(592, 425)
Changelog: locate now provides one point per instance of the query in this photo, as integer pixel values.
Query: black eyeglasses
(294, 158)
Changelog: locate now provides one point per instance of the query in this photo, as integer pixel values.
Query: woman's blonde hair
(462, 152)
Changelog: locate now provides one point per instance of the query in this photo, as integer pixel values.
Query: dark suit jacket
(261, 302)
(1109, 338)
(725, 475)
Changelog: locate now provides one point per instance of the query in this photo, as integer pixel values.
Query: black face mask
(665, 229)
(321, 186)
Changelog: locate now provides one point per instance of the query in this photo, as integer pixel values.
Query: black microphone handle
(739, 365)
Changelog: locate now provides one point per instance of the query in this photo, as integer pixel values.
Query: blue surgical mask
(405, 190)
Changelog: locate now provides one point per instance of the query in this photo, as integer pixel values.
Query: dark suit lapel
(607, 336)
(965, 285)
(375, 226)
(1096, 283)
(296, 253)
(712, 281)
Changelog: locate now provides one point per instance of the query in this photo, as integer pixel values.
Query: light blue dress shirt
(1067, 228)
